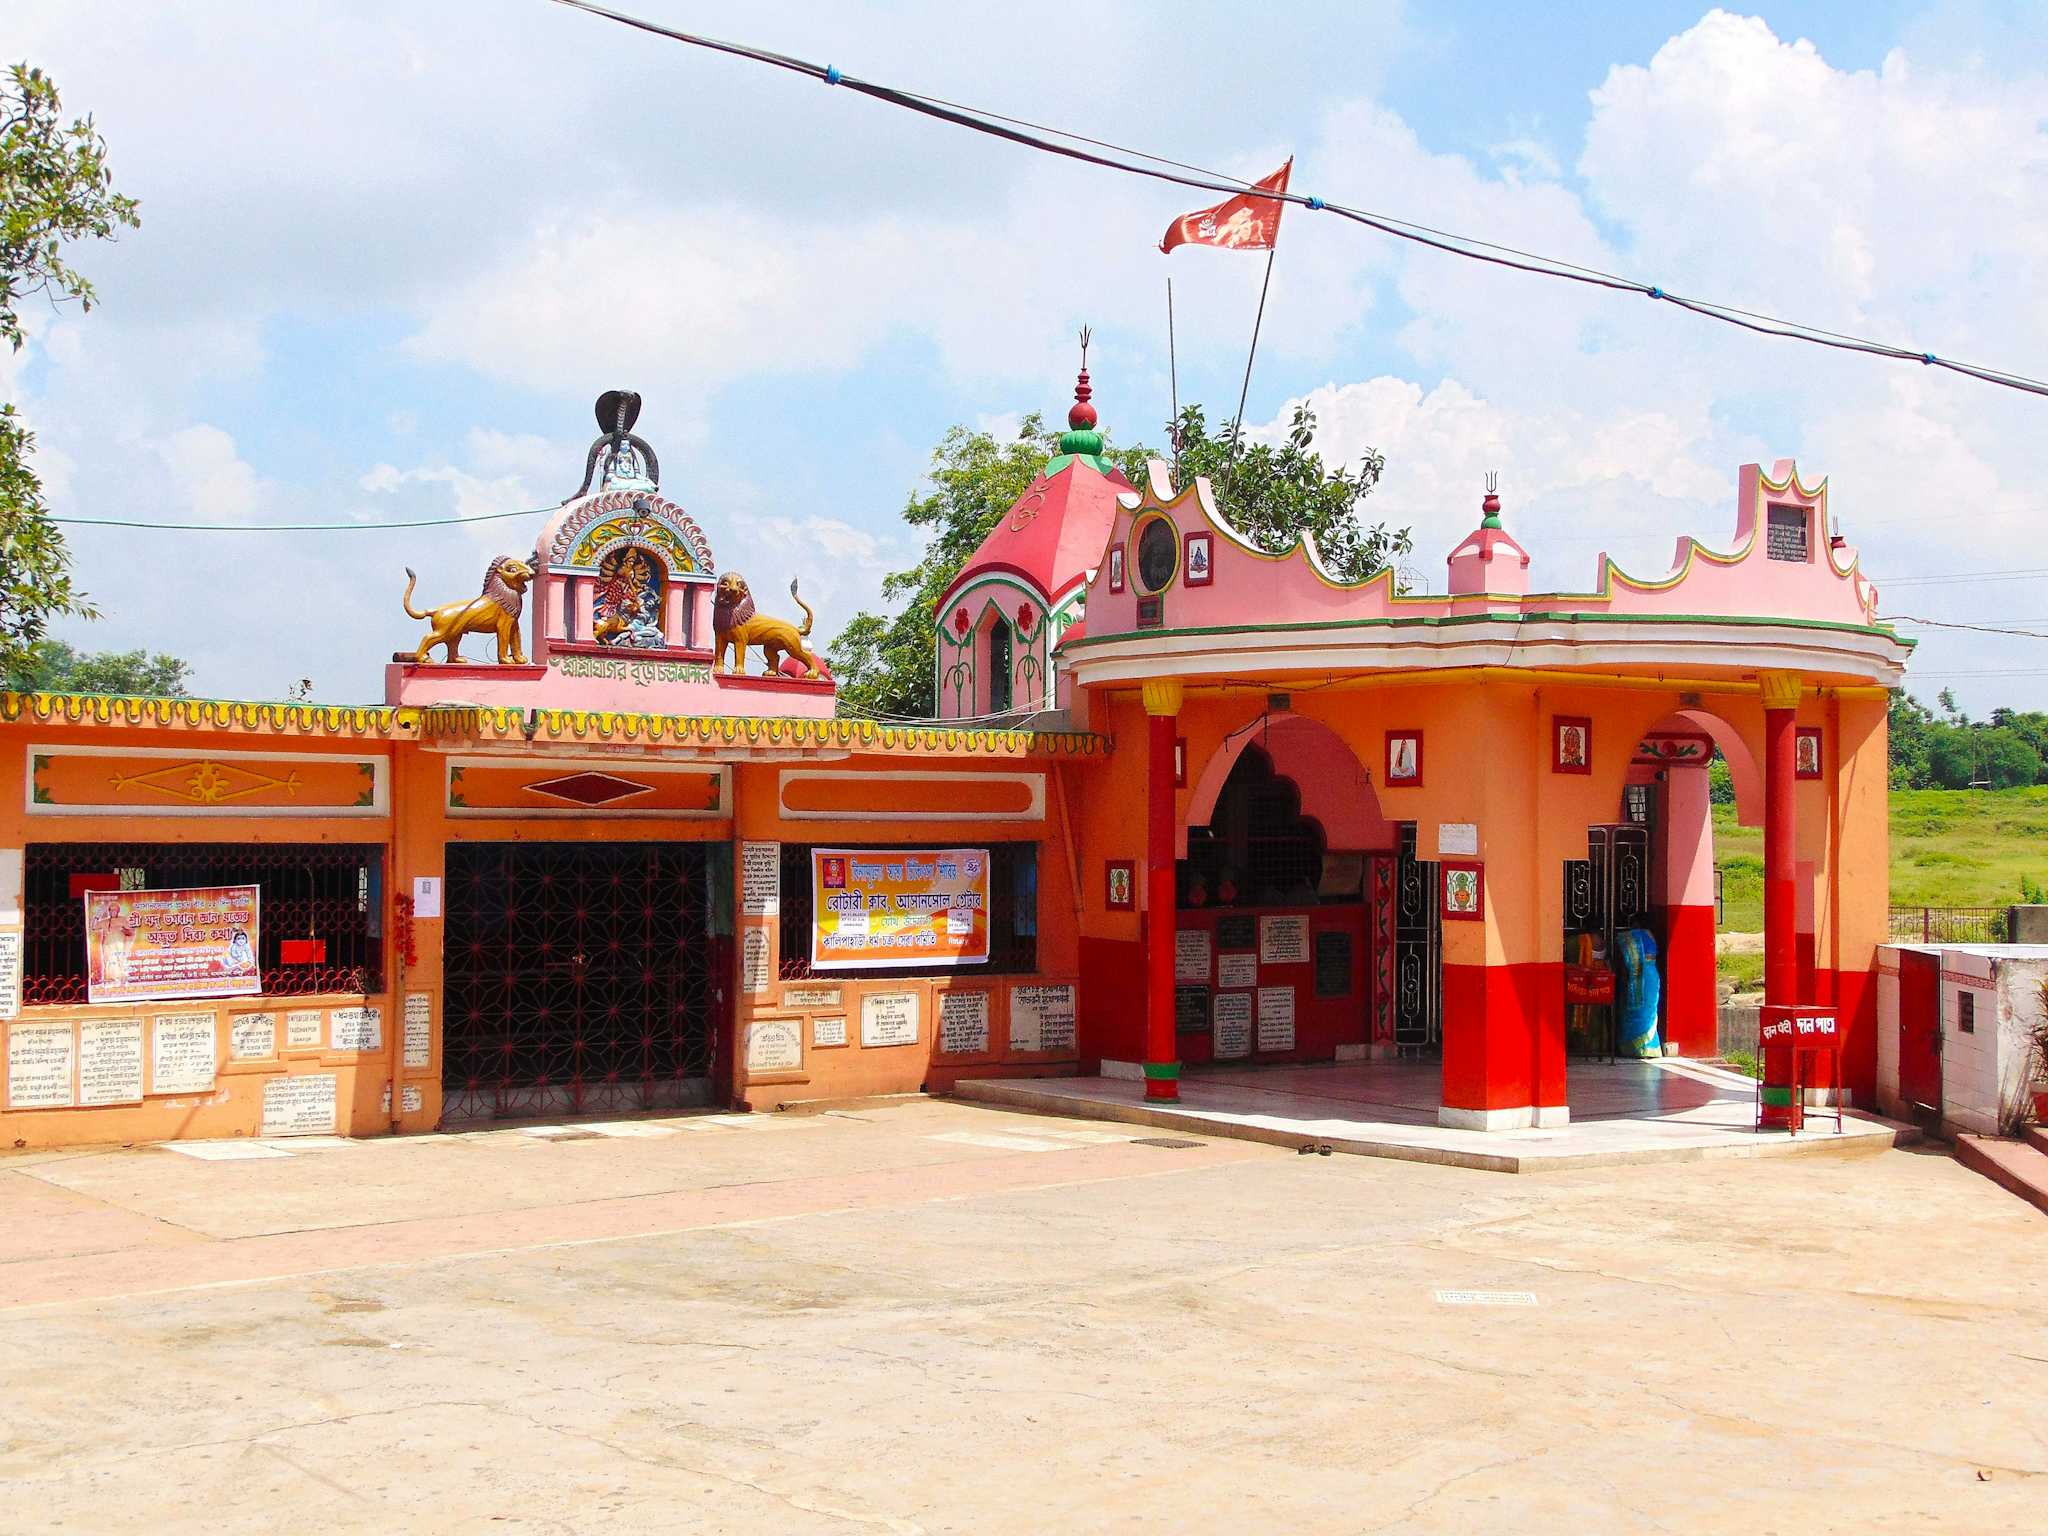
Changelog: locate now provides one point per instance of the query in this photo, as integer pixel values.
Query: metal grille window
(319, 890)
(1258, 849)
(1012, 913)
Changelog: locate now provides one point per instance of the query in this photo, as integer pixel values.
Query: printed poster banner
(897, 907)
(156, 945)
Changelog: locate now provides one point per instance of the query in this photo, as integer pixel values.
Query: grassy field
(1950, 848)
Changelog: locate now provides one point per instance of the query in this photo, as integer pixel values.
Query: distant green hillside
(1950, 848)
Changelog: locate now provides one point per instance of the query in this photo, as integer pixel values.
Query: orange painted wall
(234, 1106)
(892, 786)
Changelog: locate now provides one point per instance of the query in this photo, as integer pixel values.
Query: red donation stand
(1800, 1038)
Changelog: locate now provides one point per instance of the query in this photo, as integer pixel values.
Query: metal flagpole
(1237, 424)
(1173, 383)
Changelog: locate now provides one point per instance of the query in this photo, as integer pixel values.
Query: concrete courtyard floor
(936, 1316)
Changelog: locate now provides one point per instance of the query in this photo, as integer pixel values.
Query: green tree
(885, 660)
(1911, 723)
(55, 189)
(1279, 491)
(58, 668)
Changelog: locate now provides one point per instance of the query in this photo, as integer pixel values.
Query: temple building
(608, 847)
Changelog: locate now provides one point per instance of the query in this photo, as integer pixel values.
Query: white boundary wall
(1986, 1072)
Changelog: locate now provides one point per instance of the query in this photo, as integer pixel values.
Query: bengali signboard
(161, 945)
(898, 907)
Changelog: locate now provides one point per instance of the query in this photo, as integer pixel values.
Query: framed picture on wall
(1199, 566)
(1806, 752)
(1116, 568)
(1571, 744)
(1464, 888)
(1404, 759)
(1120, 885)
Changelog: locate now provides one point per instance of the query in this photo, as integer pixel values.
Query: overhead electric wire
(1982, 629)
(1181, 173)
(421, 522)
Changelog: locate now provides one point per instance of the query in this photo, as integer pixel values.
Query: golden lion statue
(494, 611)
(735, 623)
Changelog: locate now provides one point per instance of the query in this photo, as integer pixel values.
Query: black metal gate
(578, 977)
(1607, 890)
(1418, 935)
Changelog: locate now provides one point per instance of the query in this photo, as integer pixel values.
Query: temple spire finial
(1491, 504)
(1081, 416)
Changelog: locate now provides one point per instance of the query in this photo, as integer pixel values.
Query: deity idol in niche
(626, 610)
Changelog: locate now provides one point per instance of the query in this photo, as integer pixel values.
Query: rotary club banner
(143, 945)
(874, 908)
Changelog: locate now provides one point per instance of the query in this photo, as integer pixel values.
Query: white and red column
(1781, 887)
(1162, 1050)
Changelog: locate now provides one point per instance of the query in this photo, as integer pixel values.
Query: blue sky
(391, 253)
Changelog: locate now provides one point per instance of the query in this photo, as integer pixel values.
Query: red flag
(1246, 222)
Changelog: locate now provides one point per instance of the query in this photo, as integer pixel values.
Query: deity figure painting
(626, 610)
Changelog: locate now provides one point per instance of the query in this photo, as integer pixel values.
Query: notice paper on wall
(426, 896)
(1276, 1018)
(1233, 1037)
(1191, 956)
(830, 1031)
(110, 1061)
(1237, 970)
(40, 1058)
(760, 879)
(1457, 838)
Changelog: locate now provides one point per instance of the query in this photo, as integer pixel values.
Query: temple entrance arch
(1668, 796)
(1284, 895)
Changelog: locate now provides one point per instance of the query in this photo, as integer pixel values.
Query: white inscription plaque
(775, 1045)
(110, 1061)
(299, 1106)
(1237, 970)
(10, 973)
(252, 1036)
(760, 879)
(181, 1053)
(830, 1031)
(1283, 941)
(1233, 1016)
(888, 1018)
(963, 1023)
(1191, 956)
(39, 1062)
(357, 1029)
(754, 961)
(302, 1028)
(1042, 1018)
(419, 1029)
(810, 997)
(1276, 1018)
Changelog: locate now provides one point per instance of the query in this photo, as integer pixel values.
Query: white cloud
(206, 476)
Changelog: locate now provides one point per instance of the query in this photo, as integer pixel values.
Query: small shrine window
(1000, 692)
(1158, 554)
(626, 606)
(1785, 532)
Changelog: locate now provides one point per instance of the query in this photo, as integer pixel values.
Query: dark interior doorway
(579, 977)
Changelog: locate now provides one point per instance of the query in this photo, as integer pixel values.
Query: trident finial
(1085, 334)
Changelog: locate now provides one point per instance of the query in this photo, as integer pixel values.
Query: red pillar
(1162, 1050)
(1781, 841)
(1781, 889)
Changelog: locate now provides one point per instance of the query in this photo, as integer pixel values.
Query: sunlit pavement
(943, 1317)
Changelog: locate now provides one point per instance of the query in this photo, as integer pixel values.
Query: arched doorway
(1654, 869)
(1284, 895)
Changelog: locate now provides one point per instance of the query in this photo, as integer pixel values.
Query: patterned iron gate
(578, 977)
(1418, 934)
(1609, 889)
